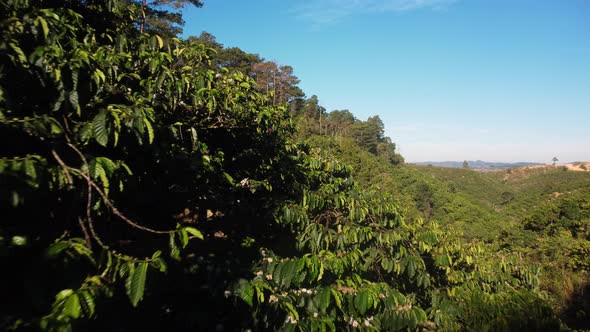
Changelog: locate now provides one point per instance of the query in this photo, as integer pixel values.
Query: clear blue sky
(497, 80)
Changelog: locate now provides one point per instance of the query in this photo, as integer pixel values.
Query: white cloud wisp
(325, 12)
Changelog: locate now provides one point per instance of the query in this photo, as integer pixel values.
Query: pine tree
(163, 17)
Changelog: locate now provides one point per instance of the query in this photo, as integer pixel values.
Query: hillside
(541, 212)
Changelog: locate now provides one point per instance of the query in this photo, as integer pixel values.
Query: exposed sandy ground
(582, 167)
(523, 172)
(578, 167)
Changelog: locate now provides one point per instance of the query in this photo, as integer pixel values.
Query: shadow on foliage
(577, 313)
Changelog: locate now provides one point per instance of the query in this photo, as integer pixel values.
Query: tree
(312, 115)
(465, 164)
(339, 123)
(234, 59)
(386, 150)
(207, 39)
(163, 17)
(377, 127)
(554, 160)
(368, 134)
(280, 80)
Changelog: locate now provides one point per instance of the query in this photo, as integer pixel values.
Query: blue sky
(496, 80)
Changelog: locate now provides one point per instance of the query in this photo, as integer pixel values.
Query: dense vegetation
(540, 214)
(156, 183)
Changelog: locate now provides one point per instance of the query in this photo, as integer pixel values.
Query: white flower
(315, 315)
(291, 320)
(269, 277)
(227, 293)
(269, 259)
(259, 274)
(273, 298)
(355, 323)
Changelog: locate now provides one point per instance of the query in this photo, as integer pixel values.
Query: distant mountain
(476, 164)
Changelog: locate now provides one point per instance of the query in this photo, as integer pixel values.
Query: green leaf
(97, 171)
(29, 166)
(19, 52)
(361, 302)
(159, 264)
(337, 298)
(125, 270)
(74, 100)
(63, 294)
(86, 303)
(174, 251)
(287, 272)
(229, 178)
(108, 165)
(183, 237)
(99, 76)
(99, 128)
(44, 26)
(245, 291)
(194, 232)
(71, 306)
(85, 132)
(150, 130)
(324, 298)
(291, 309)
(321, 272)
(56, 248)
(160, 41)
(135, 283)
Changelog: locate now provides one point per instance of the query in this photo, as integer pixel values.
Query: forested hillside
(541, 214)
(155, 183)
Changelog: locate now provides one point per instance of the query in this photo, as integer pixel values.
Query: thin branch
(85, 232)
(114, 209)
(88, 202)
(104, 197)
(63, 165)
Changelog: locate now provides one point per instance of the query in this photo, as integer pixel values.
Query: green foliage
(135, 283)
(115, 124)
(133, 145)
(541, 213)
(382, 272)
